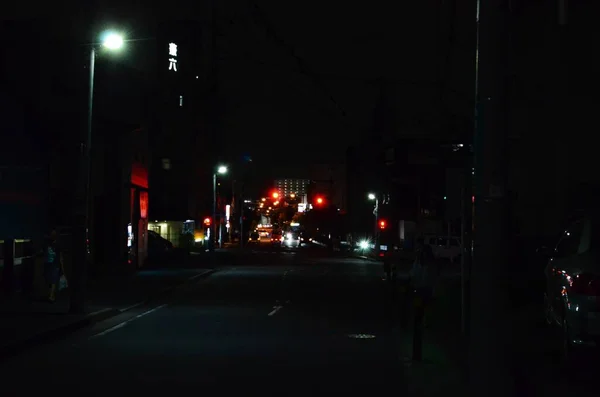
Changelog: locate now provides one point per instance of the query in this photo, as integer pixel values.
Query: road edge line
(19, 346)
(13, 348)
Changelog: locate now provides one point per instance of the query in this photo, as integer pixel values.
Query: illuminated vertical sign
(173, 57)
(143, 204)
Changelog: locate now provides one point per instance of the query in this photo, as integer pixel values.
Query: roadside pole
(81, 214)
(490, 325)
(465, 250)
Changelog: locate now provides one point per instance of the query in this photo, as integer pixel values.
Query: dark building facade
(549, 117)
(182, 142)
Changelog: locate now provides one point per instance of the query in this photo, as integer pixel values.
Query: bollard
(419, 315)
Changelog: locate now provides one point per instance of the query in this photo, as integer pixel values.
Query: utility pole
(212, 116)
(490, 326)
(82, 206)
(466, 235)
(241, 211)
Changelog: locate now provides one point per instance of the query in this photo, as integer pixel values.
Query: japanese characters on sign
(173, 57)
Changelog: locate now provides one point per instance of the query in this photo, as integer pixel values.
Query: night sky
(281, 113)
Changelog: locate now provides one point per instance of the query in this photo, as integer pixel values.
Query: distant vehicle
(290, 240)
(305, 238)
(264, 233)
(276, 237)
(254, 237)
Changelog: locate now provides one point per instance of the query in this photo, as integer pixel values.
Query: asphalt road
(286, 322)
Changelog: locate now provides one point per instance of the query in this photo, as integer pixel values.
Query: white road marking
(116, 327)
(277, 306)
(132, 306)
(275, 310)
(361, 336)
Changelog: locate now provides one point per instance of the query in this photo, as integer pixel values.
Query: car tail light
(586, 284)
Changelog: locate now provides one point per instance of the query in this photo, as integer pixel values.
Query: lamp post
(373, 196)
(219, 170)
(110, 41)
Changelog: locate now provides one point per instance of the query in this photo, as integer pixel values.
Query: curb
(19, 346)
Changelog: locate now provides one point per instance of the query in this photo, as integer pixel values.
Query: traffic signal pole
(490, 321)
(376, 236)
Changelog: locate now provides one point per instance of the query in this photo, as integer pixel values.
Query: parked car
(444, 247)
(572, 293)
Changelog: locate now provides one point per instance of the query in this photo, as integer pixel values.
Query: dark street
(296, 323)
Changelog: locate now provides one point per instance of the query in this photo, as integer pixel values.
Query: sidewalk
(535, 358)
(441, 370)
(26, 323)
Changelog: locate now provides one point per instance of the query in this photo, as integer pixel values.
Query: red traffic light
(207, 221)
(382, 224)
(319, 200)
(275, 195)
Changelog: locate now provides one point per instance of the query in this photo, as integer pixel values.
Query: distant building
(287, 187)
(181, 164)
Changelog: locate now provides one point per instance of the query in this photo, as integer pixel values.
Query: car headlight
(363, 244)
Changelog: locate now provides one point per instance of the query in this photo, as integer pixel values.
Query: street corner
(59, 327)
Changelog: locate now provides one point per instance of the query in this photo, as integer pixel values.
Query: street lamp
(222, 170)
(111, 41)
(373, 196)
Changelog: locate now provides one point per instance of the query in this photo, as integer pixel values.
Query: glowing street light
(379, 226)
(222, 170)
(113, 41)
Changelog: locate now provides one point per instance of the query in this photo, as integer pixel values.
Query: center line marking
(116, 327)
(275, 310)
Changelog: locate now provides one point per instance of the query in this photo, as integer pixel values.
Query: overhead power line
(260, 18)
